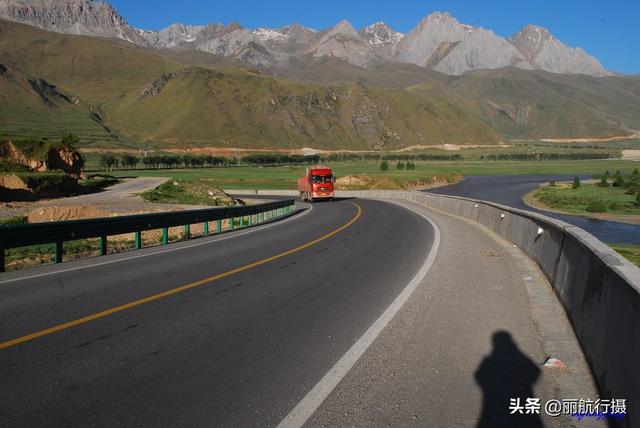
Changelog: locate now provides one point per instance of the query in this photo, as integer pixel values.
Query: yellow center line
(158, 296)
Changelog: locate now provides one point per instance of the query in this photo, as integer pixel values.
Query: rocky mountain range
(438, 42)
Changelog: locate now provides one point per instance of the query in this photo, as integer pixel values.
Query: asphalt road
(239, 350)
(509, 190)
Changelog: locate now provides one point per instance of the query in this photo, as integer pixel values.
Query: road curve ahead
(237, 349)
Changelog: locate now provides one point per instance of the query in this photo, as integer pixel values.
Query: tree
(400, 165)
(128, 161)
(619, 180)
(638, 200)
(69, 139)
(107, 160)
(384, 165)
(603, 181)
(576, 182)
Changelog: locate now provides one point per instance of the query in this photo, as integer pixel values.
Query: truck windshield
(321, 178)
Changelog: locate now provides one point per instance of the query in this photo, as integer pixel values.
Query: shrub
(619, 181)
(400, 165)
(384, 165)
(19, 219)
(604, 182)
(576, 182)
(597, 207)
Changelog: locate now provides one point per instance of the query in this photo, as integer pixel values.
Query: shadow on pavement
(503, 375)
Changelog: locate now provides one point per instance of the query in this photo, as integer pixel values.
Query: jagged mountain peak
(343, 27)
(542, 50)
(296, 28)
(439, 41)
(80, 17)
(380, 33)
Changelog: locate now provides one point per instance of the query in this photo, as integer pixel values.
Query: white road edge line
(168, 250)
(314, 398)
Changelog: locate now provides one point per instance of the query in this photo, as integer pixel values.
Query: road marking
(83, 320)
(125, 258)
(314, 398)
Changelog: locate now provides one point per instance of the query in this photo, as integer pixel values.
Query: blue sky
(605, 29)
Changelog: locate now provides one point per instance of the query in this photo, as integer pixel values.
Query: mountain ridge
(438, 41)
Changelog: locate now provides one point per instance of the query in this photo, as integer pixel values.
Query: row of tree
(110, 162)
(548, 156)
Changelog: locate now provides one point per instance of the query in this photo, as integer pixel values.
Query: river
(510, 189)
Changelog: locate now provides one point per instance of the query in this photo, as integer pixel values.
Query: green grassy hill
(154, 101)
(112, 93)
(34, 107)
(538, 104)
(231, 107)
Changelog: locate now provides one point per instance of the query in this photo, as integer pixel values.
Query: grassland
(200, 191)
(603, 200)
(630, 252)
(285, 177)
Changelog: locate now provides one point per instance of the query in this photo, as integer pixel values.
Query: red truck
(317, 184)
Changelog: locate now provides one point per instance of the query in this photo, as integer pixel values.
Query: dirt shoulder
(120, 199)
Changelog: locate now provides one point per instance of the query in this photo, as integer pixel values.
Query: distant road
(510, 189)
(116, 193)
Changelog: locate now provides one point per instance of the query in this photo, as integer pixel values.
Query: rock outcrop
(80, 17)
(61, 158)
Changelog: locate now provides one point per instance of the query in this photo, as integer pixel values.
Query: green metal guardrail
(22, 235)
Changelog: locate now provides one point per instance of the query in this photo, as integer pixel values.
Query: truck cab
(317, 184)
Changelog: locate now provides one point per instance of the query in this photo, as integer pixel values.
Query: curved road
(233, 347)
(509, 190)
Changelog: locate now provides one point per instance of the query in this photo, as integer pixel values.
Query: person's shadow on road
(503, 375)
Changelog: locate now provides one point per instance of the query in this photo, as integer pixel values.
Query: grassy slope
(42, 111)
(223, 106)
(525, 104)
(630, 252)
(575, 201)
(285, 177)
(229, 107)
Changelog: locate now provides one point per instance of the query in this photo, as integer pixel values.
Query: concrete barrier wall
(599, 289)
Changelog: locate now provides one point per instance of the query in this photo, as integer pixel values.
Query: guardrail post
(138, 240)
(232, 223)
(242, 221)
(187, 231)
(251, 220)
(1, 259)
(219, 226)
(59, 252)
(205, 226)
(164, 240)
(103, 246)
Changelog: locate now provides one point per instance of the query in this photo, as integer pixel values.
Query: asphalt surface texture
(233, 352)
(265, 314)
(510, 189)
